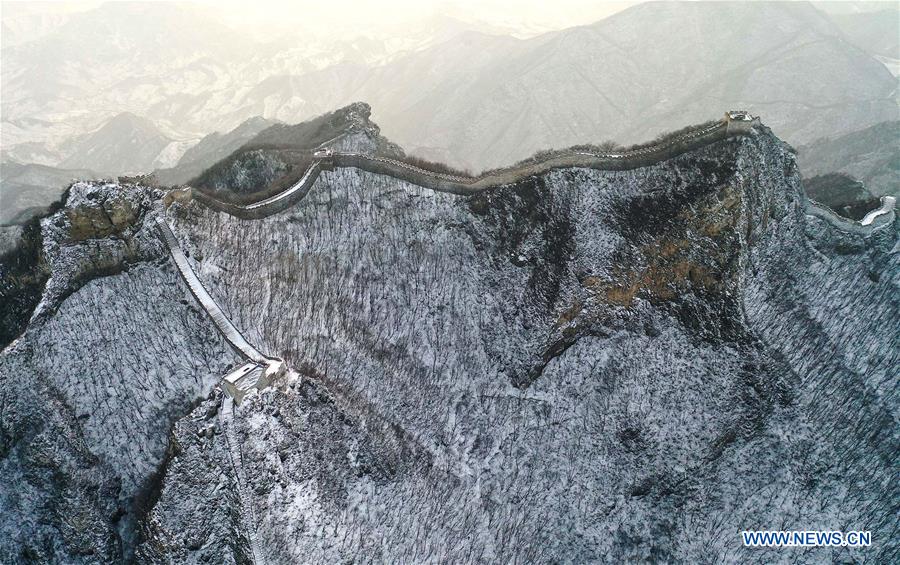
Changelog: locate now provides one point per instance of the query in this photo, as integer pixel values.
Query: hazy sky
(381, 18)
(526, 16)
(353, 17)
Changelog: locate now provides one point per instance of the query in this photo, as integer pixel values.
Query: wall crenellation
(734, 123)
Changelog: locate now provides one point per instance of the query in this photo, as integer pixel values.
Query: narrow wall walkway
(224, 325)
(247, 515)
(874, 220)
(612, 161)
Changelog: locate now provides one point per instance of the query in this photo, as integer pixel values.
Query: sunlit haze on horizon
(350, 18)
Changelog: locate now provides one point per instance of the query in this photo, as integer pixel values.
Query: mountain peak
(131, 120)
(281, 150)
(126, 142)
(353, 118)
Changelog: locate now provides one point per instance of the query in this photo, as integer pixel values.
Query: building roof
(245, 377)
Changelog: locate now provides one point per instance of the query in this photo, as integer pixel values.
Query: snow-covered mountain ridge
(581, 365)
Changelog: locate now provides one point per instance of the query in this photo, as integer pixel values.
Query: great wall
(735, 123)
(260, 370)
(881, 216)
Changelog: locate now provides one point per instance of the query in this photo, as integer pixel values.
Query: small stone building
(740, 121)
(325, 158)
(251, 376)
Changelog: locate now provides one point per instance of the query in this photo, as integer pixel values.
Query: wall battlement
(735, 123)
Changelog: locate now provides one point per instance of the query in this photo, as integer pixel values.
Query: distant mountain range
(28, 189)
(125, 144)
(871, 156)
(211, 149)
(785, 61)
(875, 31)
(453, 91)
(458, 93)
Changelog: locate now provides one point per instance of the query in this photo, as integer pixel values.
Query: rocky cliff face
(584, 366)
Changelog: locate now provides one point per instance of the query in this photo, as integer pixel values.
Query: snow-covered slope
(585, 365)
(116, 351)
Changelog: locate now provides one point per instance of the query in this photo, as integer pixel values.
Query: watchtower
(325, 158)
(739, 121)
(251, 376)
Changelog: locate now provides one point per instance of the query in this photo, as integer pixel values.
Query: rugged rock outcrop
(582, 366)
(23, 272)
